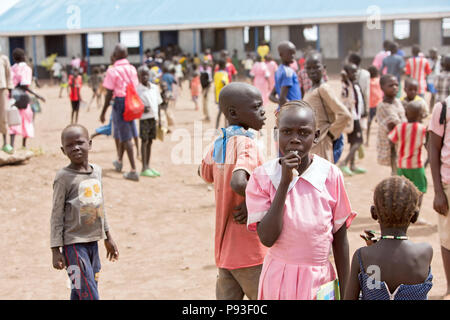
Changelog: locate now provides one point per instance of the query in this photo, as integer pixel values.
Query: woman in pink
(21, 76)
(300, 217)
(260, 74)
(272, 66)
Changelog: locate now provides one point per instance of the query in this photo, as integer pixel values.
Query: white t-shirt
(151, 97)
(56, 68)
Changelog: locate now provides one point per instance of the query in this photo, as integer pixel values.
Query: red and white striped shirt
(409, 137)
(418, 68)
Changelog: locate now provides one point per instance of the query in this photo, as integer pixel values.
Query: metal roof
(32, 17)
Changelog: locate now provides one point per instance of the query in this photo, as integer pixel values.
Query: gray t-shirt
(78, 214)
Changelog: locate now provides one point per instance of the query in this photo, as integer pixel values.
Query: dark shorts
(372, 113)
(83, 269)
(147, 129)
(123, 130)
(75, 105)
(356, 135)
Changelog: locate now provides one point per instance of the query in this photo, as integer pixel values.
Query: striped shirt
(418, 68)
(409, 138)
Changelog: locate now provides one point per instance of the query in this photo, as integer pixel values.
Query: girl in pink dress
(300, 217)
(272, 66)
(22, 76)
(261, 74)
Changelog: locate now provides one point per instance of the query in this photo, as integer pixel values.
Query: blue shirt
(169, 79)
(286, 77)
(394, 64)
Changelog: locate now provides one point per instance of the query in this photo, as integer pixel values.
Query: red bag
(134, 107)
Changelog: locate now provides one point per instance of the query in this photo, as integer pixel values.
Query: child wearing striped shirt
(409, 138)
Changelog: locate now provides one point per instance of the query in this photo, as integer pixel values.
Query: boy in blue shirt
(287, 87)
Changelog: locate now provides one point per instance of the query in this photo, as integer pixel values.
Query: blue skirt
(123, 130)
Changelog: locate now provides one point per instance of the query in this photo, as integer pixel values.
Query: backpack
(134, 107)
(204, 79)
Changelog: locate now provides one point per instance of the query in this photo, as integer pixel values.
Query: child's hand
(59, 262)
(240, 216)
(440, 204)
(112, 253)
(369, 237)
(289, 162)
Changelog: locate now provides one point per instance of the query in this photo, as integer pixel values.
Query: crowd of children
(277, 221)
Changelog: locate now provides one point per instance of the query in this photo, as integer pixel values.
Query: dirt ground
(164, 227)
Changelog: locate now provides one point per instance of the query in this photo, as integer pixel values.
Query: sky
(6, 4)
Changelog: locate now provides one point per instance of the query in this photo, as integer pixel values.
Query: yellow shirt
(220, 81)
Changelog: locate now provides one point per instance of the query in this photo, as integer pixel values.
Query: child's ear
(316, 136)
(90, 144)
(62, 149)
(373, 212)
(415, 216)
(232, 112)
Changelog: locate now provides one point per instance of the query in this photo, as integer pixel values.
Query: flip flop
(358, 170)
(156, 173)
(148, 173)
(8, 149)
(131, 176)
(346, 170)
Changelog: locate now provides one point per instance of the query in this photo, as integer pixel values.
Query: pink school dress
(316, 207)
(22, 74)
(261, 75)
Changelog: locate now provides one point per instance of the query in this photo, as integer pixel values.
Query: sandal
(156, 173)
(8, 149)
(346, 170)
(132, 175)
(148, 173)
(117, 165)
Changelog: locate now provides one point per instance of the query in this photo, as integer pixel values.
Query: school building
(91, 28)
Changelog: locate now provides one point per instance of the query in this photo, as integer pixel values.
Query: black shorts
(372, 113)
(147, 129)
(356, 135)
(75, 105)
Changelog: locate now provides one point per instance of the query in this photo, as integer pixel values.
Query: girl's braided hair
(300, 104)
(396, 200)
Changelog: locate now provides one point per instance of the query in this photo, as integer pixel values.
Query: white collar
(316, 174)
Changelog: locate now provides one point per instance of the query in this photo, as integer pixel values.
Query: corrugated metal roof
(73, 16)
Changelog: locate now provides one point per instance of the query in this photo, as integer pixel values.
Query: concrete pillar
(329, 36)
(372, 41)
(186, 40)
(277, 35)
(4, 46)
(110, 39)
(234, 38)
(150, 39)
(73, 45)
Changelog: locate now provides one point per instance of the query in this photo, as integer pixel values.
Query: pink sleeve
(247, 154)
(342, 211)
(434, 124)
(207, 167)
(257, 198)
(109, 81)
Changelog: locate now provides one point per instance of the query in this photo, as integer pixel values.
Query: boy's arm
(57, 225)
(273, 96)
(238, 184)
(440, 203)
(108, 97)
(283, 95)
(341, 257)
(353, 288)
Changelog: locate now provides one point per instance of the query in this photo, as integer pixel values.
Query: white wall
(235, 40)
(277, 35)
(329, 36)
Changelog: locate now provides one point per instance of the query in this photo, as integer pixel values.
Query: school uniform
(116, 79)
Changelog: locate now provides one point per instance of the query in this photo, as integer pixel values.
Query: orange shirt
(376, 95)
(235, 246)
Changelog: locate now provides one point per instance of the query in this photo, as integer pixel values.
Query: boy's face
(287, 54)
(411, 91)
(250, 113)
(351, 72)
(144, 77)
(297, 131)
(76, 145)
(390, 87)
(314, 70)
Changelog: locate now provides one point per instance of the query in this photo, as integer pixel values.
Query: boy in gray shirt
(78, 218)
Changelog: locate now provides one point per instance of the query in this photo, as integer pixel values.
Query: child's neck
(408, 99)
(83, 167)
(393, 231)
(306, 162)
(388, 99)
